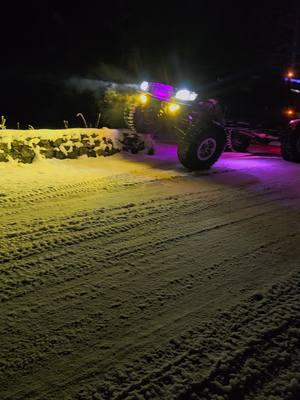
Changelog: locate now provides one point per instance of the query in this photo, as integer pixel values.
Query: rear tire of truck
(239, 142)
(290, 145)
(201, 145)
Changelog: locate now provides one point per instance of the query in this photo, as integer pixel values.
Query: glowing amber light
(143, 98)
(289, 112)
(173, 107)
(290, 74)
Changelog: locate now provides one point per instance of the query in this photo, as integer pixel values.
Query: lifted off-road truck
(199, 125)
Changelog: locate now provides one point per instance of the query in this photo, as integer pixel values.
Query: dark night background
(208, 45)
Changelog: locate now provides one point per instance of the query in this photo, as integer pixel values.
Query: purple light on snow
(250, 171)
(166, 152)
(161, 91)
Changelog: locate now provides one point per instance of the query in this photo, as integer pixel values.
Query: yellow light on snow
(143, 98)
(173, 107)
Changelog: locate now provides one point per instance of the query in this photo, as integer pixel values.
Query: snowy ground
(129, 278)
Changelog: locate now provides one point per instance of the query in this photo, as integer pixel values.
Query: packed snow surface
(128, 277)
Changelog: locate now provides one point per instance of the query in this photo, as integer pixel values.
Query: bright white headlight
(144, 86)
(193, 96)
(185, 95)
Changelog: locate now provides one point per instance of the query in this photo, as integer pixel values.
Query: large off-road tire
(290, 145)
(201, 145)
(238, 142)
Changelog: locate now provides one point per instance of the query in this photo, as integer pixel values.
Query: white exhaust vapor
(95, 85)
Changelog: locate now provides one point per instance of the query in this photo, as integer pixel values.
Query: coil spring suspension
(129, 116)
(229, 144)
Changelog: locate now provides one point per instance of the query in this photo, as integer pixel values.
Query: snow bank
(28, 145)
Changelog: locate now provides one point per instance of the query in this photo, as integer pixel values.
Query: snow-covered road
(130, 278)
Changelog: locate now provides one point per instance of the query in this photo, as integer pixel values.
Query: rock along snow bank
(27, 145)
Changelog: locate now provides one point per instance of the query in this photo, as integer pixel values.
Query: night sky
(192, 42)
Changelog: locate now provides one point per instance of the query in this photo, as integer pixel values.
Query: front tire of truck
(201, 145)
(290, 145)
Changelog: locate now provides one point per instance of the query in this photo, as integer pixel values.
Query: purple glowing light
(293, 80)
(294, 121)
(161, 91)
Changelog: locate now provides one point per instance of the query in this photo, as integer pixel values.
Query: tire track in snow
(54, 280)
(83, 188)
(79, 328)
(239, 354)
(81, 228)
(138, 246)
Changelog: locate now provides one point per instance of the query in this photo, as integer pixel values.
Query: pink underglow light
(294, 121)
